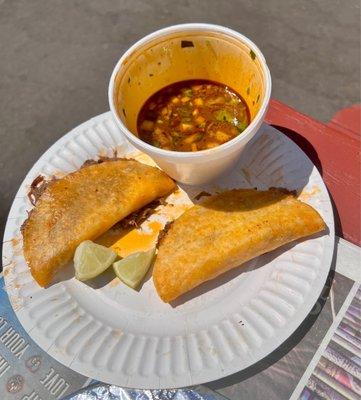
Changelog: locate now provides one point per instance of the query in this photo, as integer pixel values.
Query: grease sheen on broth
(192, 115)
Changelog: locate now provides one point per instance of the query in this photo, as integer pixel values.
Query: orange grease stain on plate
(125, 242)
(138, 239)
(143, 158)
(16, 246)
(132, 241)
(103, 153)
(15, 241)
(174, 211)
(304, 196)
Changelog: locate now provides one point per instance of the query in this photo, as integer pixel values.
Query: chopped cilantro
(241, 126)
(223, 115)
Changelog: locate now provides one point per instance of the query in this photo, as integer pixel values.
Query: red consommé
(192, 115)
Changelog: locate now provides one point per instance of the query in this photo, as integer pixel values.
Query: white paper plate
(132, 339)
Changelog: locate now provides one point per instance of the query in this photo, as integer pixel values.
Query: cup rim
(200, 153)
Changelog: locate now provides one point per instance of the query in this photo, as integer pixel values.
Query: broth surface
(192, 115)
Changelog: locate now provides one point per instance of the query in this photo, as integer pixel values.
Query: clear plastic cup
(182, 52)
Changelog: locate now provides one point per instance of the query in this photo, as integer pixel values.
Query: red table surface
(335, 150)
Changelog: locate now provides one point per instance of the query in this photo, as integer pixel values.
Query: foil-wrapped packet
(110, 392)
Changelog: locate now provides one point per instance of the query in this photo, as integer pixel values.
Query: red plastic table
(335, 150)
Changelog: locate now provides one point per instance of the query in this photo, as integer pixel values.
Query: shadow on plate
(101, 280)
(98, 282)
(303, 143)
(67, 273)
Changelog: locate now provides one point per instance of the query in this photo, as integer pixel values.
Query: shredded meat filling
(163, 233)
(135, 219)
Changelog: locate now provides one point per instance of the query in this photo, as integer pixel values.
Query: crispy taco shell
(225, 231)
(83, 205)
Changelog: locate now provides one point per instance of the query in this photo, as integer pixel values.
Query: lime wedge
(132, 269)
(91, 259)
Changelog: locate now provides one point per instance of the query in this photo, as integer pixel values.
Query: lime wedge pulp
(133, 268)
(91, 259)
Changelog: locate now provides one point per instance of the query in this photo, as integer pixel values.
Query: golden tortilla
(82, 206)
(225, 231)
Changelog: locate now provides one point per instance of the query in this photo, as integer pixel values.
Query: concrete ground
(56, 57)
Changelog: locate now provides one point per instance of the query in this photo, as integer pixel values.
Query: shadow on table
(287, 346)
